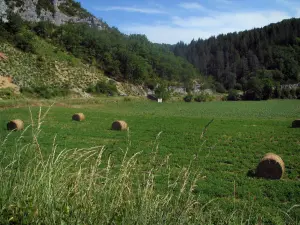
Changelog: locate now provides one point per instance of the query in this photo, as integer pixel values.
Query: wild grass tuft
(92, 185)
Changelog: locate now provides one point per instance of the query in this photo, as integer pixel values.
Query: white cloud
(242, 20)
(191, 5)
(297, 12)
(131, 9)
(291, 5)
(165, 33)
(226, 2)
(186, 29)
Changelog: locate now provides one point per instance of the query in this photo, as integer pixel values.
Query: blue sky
(171, 21)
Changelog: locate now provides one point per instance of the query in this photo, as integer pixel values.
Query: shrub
(254, 89)
(285, 93)
(267, 91)
(45, 92)
(91, 89)
(24, 41)
(7, 93)
(204, 97)
(73, 8)
(238, 86)
(293, 93)
(277, 92)
(188, 98)
(151, 84)
(15, 23)
(233, 95)
(220, 88)
(162, 92)
(298, 93)
(127, 99)
(46, 5)
(103, 87)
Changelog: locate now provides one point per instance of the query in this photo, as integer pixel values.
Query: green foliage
(15, 23)
(293, 93)
(270, 52)
(5, 35)
(46, 5)
(24, 41)
(14, 3)
(73, 8)
(238, 86)
(7, 93)
(298, 93)
(267, 91)
(220, 87)
(151, 84)
(132, 58)
(234, 95)
(203, 97)
(127, 99)
(159, 179)
(188, 98)
(44, 29)
(45, 92)
(286, 93)
(103, 87)
(254, 89)
(162, 92)
(277, 92)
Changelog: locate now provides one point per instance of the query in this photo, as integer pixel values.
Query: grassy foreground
(166, 170)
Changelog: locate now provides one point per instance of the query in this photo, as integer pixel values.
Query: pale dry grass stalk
(84, 186)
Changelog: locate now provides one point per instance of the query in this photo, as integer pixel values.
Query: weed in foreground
(81, 186)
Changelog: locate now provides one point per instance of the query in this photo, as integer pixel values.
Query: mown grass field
(239, 136)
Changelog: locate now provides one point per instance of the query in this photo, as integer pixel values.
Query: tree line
(270, 54)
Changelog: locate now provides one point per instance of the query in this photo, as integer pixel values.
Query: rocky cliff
(55, 11)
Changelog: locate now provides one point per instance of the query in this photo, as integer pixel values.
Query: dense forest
(125, 58)
(236, 60)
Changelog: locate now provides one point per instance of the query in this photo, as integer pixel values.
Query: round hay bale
(119, 125)
(296, 123)
(15, 125)
(270, 167)
(78, 117)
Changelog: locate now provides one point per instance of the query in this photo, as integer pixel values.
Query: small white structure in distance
(159, 100)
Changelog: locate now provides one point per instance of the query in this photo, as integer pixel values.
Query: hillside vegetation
(234, 59)
(49, 49)
(50, 67)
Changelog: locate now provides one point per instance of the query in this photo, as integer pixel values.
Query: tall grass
(81, 186)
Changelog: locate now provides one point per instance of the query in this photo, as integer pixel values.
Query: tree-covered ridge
(125, 58)
(272, 52)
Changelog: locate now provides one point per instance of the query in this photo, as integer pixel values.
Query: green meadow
(181, 163)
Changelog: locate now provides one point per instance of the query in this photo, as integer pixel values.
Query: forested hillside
(235, 59)
(131, 58)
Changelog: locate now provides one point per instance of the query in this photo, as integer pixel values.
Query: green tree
(15, 23)
(234, 95)
(267, 91)
(254, 89)
(162, 92)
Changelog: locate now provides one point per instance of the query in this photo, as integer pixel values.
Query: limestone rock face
(3, 9)
(30, 10)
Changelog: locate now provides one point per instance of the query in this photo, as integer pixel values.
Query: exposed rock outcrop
(3, 11)
(32, 10)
